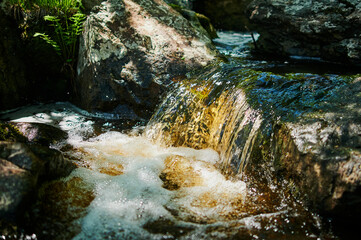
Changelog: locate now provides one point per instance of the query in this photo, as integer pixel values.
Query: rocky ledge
(317, 153)
(328, 29)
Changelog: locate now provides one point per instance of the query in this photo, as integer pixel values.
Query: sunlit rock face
(130, 51)
(327, 29)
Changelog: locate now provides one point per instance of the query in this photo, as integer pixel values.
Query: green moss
(279, 96)
(203, 20)
(206, 24)
(9, 132)
(58, 24)
(176, 7)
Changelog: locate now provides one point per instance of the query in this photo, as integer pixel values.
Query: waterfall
(208, 111)
(187, 173)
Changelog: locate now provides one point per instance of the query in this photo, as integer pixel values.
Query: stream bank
(292, 142)
(277, 134)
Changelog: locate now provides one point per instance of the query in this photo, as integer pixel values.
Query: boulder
(40, 133)
(22, 170)
(324, 29)
(322, 153)
(19, 172)
(318, 150)
(130, 51)
(16, 184)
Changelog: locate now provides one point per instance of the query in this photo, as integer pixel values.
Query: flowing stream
(181, 176)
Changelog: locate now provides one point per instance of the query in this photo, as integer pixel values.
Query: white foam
(206, 155)
(133, 194)
(124, 203)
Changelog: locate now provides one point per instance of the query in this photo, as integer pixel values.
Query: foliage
(9, 132)
(65, 7)
(176, 7)
(65, 20)
(66, 32)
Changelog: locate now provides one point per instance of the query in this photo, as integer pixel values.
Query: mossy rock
(10, 133)
(207, 25)
(192, 16)
(40, 133)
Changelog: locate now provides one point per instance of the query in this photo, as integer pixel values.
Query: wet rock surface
(40, 133)
(16, 184)
(129, 53)
(319, 152)
(325, 29)
(18, 176)
(308, 135)
(24, 166)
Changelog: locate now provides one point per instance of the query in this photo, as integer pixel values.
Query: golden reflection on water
(218, 124)
(199, 193)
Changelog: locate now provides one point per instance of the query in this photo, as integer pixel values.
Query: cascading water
(180, 177)
(210, 113)
(130, 186)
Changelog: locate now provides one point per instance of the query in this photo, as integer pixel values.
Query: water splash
(164, 182)
(212, 114)
(128, 203)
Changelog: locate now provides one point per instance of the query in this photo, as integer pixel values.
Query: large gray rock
(329, 29)
(319, 152)
(129, 53)
(22, 170)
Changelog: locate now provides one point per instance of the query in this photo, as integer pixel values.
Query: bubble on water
(137, 197)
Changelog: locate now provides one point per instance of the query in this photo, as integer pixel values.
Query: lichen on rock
(130, 51)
